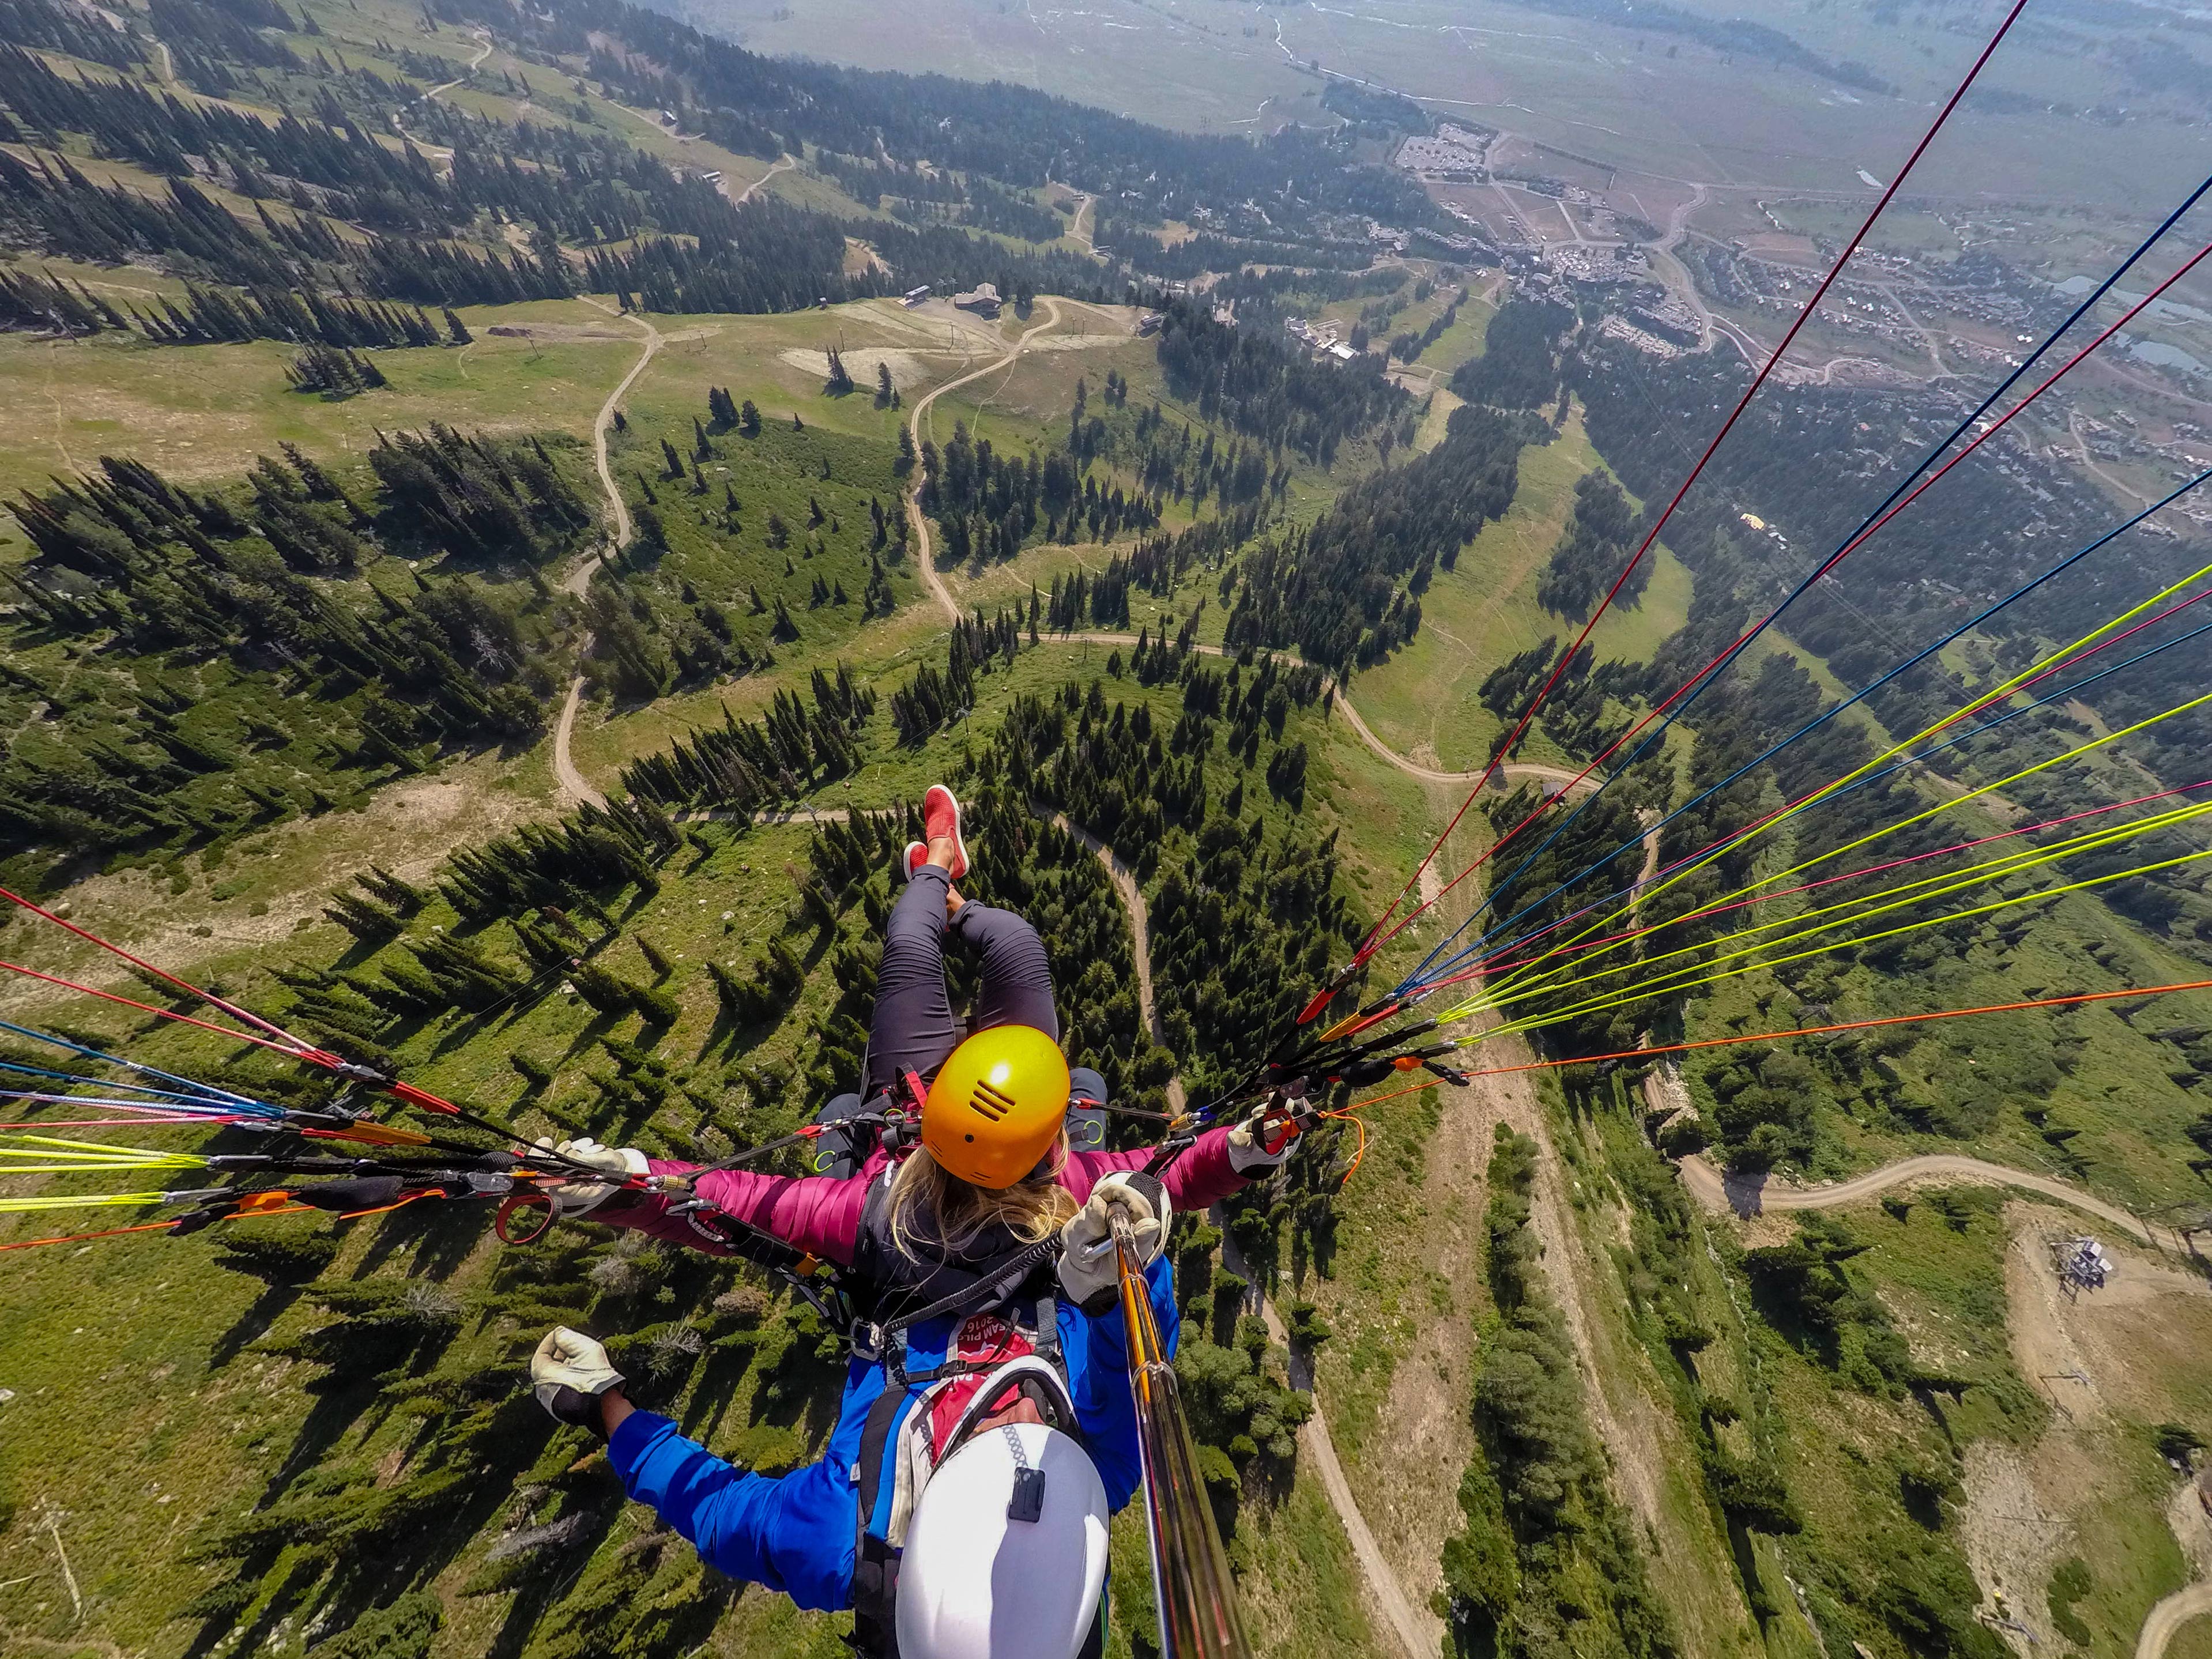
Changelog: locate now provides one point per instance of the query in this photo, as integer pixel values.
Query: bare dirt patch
(2013, 1542)
(408, 827)
(2042, 1344)
(2101, 1358)
(2152, 1320)
(1424, 1436)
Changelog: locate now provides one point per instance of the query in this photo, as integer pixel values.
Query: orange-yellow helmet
(997, 1105)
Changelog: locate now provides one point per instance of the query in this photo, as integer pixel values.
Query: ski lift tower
(2081, 1263)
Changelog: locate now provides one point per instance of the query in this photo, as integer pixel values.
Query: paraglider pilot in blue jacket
(796, 1533)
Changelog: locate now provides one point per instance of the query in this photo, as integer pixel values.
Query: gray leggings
(914, 1029)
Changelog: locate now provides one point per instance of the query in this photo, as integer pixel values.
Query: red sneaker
(940, 818)
(913, 859)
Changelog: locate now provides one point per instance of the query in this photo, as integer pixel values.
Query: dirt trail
(2192, 1531)
(1559, 775)
(783, 164)
(399, 123)
(576, 789)
(416, 823)
(1628, 1426)
(1632, 1428)
(578, 579)
(1512, 771)
(475, 63)
(2044, 1345)
(1749, 1196)
(1621, 1393)
(916, 516)
(2192, 1601)
(2093, 1355)
(1419, 1635)
(1133, 901)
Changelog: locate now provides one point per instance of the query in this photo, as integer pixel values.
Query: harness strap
(888, 1341)
(875, 1563)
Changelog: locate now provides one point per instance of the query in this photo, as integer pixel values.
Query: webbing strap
(889, 1339)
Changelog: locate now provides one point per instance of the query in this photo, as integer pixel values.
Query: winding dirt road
(1514, 771)
(1418, 1638)
(1529, 769)
(580, 578)
(783, 164)
(575, 788)
(1749, 1197)
(169, 77)
(1085, 220)
(2163, 1621)
(916, 516)
(2192, 1531)
(1140, 932)
(475, 63)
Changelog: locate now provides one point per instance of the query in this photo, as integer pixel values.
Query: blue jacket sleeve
(1097, 1354)
(792, 1533)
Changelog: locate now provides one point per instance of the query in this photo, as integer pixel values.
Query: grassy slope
(1424, 702)
(201, 411)
(1946, 1283)
(2130, 1114)
(1654, 1461)
(139, 1417)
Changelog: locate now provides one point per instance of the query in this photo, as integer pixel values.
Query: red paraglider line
(1373, 942)
(162, 1013)
(207, 997)
(1804, 1030)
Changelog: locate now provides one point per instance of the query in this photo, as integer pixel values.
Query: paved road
(1750, 1197)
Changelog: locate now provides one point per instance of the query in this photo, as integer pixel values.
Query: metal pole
(1197, 1601)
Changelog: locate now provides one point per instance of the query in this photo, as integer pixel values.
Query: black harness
(897, 1290)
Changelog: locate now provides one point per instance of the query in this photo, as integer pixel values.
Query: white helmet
(1006, 1555)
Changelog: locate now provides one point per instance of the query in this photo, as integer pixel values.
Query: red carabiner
(512, 1205)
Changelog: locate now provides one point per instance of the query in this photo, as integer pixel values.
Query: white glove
(1248, 1143)
(577, 1196)
(568, 1373)
(1088, 1271)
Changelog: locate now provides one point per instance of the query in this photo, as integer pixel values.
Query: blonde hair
(932, 1207)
